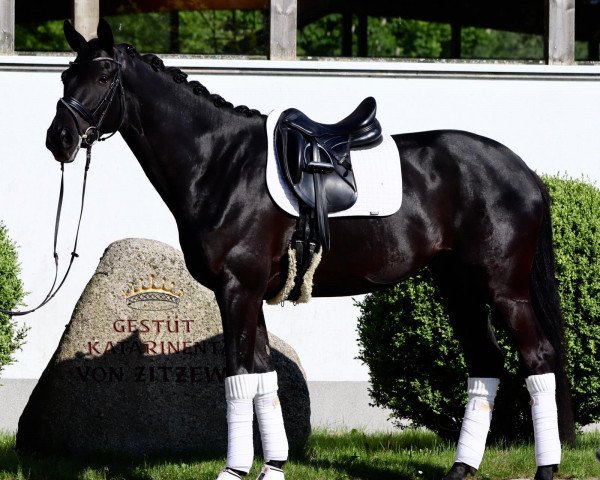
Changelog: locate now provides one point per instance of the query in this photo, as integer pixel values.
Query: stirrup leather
(227, 474)
(269, 472)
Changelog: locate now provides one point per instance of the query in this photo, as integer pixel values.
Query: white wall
(548, 115)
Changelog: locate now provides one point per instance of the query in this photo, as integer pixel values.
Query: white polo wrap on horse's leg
(240, 391)
(269, 472)
(477, 419)
(270, 419)
(544, 412)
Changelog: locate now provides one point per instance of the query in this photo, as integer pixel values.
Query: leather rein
(88, 137)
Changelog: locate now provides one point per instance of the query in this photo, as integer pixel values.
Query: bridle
(92, 133)
(88, 137)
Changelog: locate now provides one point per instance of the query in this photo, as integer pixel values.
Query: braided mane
(180, 77)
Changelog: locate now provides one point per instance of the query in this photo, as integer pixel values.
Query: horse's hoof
(270, 472)
(227, 474)
(546, 472)
(459, 471)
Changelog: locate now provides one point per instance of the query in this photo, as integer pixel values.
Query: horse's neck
(187, 147)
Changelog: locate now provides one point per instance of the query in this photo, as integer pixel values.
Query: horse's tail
(546, 305)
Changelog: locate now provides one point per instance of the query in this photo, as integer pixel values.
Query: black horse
(472, 210)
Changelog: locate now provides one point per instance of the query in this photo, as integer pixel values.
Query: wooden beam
(284, 21)
(86, 14)
(7, 26)
(559, 48)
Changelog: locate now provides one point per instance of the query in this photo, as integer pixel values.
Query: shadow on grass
(108, 465)
(375, 456)
(350, 455)
(369, 470)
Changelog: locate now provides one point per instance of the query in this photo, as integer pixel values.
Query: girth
(315, 159)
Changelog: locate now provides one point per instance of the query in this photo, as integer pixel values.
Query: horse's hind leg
(539, 359)
(468, 312)
(514, 287)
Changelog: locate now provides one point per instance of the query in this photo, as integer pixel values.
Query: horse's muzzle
(62, 138)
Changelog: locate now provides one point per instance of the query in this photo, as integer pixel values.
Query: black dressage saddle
(316, 160)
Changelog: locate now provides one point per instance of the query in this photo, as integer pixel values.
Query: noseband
(78, 111)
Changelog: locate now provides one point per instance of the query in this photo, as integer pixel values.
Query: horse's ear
(74, 38)
(105, 36)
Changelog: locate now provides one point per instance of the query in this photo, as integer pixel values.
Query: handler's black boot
(459, 471)
(546, 472)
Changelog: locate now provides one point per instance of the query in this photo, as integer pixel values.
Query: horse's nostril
(66, 138)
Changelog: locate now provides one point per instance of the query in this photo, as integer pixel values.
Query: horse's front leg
(268, 409)
(250, 380)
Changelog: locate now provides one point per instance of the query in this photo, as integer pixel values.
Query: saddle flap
(301, 157)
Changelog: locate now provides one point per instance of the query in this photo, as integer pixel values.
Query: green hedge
(416, 364)
(11, 294)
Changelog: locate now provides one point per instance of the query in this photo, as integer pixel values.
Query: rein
(89, 136)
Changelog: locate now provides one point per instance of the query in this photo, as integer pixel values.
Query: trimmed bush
(416, 364)
(11, 294)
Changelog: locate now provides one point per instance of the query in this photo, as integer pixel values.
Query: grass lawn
(329, 456)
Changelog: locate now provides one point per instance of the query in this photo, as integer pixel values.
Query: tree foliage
(42, 37)
(11, 293)
(224, 32)
(403, 38)
(416, 364)
(245, 32)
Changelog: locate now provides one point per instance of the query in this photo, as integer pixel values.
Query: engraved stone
(140, 367)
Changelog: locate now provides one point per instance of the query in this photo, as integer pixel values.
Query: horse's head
(93, 101)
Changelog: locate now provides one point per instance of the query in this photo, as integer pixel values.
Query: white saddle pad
(376, 170)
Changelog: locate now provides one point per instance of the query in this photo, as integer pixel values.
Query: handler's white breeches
(477, 419)
(270, 420)
(542, 389)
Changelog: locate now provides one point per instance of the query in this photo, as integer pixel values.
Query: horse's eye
(103, 79)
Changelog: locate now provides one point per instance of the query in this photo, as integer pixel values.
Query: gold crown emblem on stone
(146, 294)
